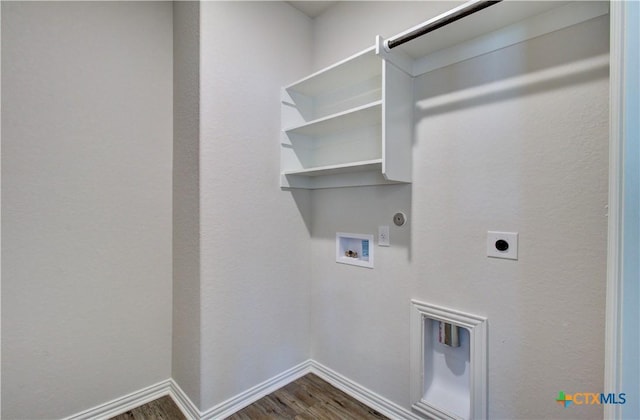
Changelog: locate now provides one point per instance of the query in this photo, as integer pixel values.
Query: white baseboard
(125, 403)
(253, 394)
(184, 403)
(238, 402)
(362, 394)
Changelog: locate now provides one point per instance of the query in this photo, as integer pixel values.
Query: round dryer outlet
(399, 219)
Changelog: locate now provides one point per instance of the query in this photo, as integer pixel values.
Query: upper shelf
(487, 20)
(361, 66)
(498, 26)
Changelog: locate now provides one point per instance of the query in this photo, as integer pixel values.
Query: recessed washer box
(354, 249)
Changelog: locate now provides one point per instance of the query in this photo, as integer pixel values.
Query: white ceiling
(312, 8)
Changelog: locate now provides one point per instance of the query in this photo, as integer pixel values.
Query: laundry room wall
(515, 140)
(255, 248)
(86, 203)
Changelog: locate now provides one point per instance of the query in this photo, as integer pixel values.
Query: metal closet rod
(432, 26)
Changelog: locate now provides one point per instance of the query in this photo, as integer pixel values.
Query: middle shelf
(369, 114)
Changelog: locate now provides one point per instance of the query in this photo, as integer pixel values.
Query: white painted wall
(515, 140)
(341, 30)
(86, 203)
(255, 251)
(185, 366)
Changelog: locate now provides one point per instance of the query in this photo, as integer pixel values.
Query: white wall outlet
(383, 236)
(502, 245)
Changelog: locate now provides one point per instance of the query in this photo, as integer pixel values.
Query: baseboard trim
(184, 403)
(362, 394)
(237, 403)
(253, 394)
(125, 403)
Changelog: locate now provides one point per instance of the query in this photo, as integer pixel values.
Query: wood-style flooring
(161, 409)
(308, 398)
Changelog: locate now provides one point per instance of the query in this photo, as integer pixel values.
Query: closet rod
(439, 23)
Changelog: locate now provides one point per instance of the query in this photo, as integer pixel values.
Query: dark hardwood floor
(308, 398)
(161, 409)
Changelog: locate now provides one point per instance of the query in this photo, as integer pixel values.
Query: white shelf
(498, 26)
(347, 125)
(325, 110)
(369, 114)
(351, 167)
(361, 66)
(480, 23)
(351, 124)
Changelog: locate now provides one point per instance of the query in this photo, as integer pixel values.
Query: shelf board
(362, 166)
(362, 116)
(499, 26)
(359, 67)
(485, 21)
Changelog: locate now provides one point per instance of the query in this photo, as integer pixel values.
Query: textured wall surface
(185, 368)
(254, 237)
(340, 31)
(515, 140)
(86, 203)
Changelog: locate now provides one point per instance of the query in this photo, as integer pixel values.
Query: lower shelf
(352, 174)
(365, 165)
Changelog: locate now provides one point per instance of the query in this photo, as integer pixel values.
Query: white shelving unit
(351, 124)
(337, 130)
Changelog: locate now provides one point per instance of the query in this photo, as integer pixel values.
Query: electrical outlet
(383, 236)
(502, 245)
